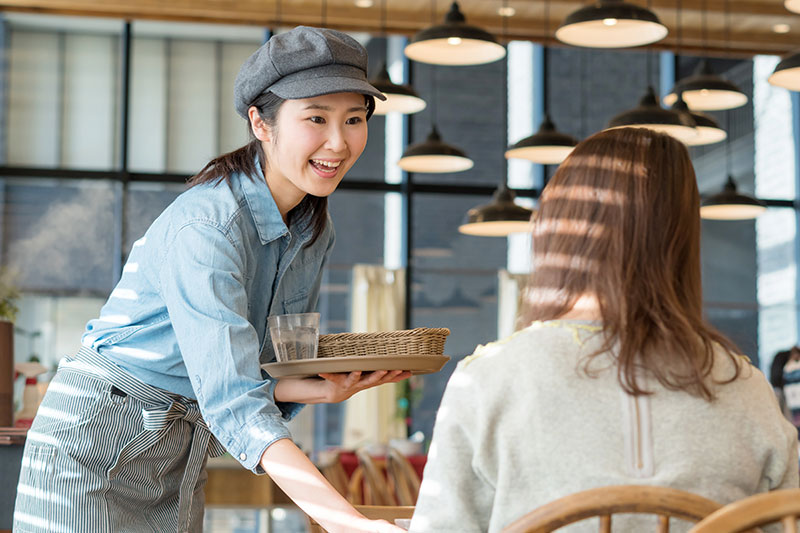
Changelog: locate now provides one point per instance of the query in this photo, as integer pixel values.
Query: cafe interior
(108, 106)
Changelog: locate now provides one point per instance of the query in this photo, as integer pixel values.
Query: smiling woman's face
(314, 143)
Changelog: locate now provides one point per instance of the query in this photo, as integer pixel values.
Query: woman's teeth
(326, 165)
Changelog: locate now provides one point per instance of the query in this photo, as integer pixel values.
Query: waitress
(169, 373)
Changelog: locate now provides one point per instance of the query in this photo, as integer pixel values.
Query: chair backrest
(603, 502)
(355, 487)
(403, 476)
(334, 472)
(759, 510)
(376, 487)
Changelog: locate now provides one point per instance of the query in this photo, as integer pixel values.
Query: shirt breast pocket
(297, 303)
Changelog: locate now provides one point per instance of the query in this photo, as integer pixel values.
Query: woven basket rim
(416, 332)
(417, 341)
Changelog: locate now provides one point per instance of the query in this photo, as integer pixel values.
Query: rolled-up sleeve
(202, 283)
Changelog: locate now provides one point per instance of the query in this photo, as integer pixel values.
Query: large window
(74, 195)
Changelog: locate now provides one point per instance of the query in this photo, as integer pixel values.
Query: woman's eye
(354, 120)
(317, 120)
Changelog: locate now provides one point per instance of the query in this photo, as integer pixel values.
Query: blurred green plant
(9, 294)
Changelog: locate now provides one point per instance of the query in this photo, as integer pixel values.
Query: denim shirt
(189, 313)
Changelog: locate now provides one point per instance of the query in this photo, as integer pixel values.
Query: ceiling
(701, 26)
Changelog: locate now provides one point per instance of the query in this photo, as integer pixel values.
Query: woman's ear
(259, 128)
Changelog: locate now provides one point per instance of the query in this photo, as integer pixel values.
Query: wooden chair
(403, 477)
(334, 472)
(355, 487)
(376, 487)
(781, 506)
(375, 512)
(603, 502)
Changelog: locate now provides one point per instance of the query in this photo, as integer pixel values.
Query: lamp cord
(727, 25)
(650, 54)
(433, 75)
(546, 27)
(504, 37)
(679, 29)
(704, 26)
(433, 96)
(583, 92)
(728, 143)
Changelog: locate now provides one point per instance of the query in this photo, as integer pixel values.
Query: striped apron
(108, 452)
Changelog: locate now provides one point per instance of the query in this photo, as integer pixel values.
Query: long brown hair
(246, 159)
(620, 220)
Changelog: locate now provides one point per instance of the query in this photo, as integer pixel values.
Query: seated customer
(617, 378)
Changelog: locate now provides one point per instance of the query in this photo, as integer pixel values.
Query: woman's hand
(382, 526)
(333, 388)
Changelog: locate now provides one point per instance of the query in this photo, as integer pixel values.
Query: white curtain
(511, 289)
(378, 304)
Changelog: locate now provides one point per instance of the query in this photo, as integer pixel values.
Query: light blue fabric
(190, 310)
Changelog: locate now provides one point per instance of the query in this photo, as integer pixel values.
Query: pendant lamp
(399, 98)
(548, 146)
(707, 129)
(611, 24)
(454, 43)
(434, 156)
(792, 5)
(706, 91)
(498, 218)
(731, 205)
(787, 73)
(650, 115)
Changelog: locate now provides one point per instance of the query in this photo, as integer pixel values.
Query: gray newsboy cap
(303, 63)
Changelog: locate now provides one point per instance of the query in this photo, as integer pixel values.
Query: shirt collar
(266, 216)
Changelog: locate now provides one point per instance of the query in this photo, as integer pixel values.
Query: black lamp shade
(434, 156)
(454, 43)
(649, 114)
(399, 98)
(611, 24)
(708, 130)
(731, 205)
(706, 91)
(498, 218)
(548, 146)
(787, 73)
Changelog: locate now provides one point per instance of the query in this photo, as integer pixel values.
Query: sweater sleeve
(454, 497)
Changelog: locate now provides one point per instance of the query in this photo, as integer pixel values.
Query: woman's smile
(326, 168)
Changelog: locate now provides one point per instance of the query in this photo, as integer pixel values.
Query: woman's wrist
(306, 390)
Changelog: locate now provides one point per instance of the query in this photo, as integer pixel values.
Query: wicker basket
(419, 341)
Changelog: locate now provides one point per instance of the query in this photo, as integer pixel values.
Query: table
(230, 484)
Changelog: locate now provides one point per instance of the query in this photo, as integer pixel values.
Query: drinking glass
(294, 336)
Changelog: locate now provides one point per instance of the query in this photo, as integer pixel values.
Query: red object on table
(350, 462)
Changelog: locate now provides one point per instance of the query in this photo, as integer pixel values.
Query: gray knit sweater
(520, 425)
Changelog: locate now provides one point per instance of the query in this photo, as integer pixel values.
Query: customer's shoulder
(536, 342)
